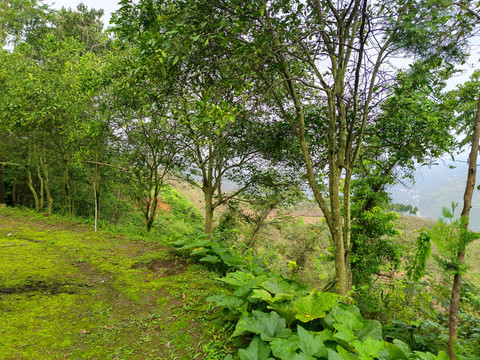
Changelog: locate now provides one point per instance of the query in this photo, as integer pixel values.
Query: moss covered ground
(67, 292)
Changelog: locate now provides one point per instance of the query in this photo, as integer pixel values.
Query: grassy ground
(66, 292)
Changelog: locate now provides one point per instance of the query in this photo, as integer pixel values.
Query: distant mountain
(438, 186)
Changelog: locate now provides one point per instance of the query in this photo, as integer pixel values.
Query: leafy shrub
(288, 322)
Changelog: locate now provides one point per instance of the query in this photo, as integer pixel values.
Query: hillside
(438, 186)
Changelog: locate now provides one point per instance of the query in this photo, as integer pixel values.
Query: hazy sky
(108, 6)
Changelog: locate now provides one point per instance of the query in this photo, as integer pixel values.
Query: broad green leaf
(425, 356)
(262, 295)
(398, 350)
(285, 348)
(267, 297)
(246, 324)
(238, 278)
(282, 297)
(268, 325)
(333, 355)
(372, 329)
(315, 305)
(278, 286)
(442, 355)
(286, 310)
(303, 356)
(345, 355)
(348, 319)
(226, 301)
(244, 290)
(344, 333)
(368, 349)
(257, 350)
(210, 259)
(311, 343)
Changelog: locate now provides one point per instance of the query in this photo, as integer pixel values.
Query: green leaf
(368, 349)
(345, 355)
(333, 355)
(238, 278)
(246, 324)
(315, 305)
(442, 355)
(398, 350)
(286, 310)
(257, 350)
(267, 297)
(285, 348)
(262, 295)
(278, 286)
(372, 329)
(268, 325)
(311, 343)
(348, 319)
(344, 333)
(425, 356)
(210, 259)
(226, 301)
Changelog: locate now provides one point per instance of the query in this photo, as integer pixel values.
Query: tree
(391, 154)
(323, 68)
(216, 133)
(21, 19)
(46, 102)
(465, 237)
(144, 130)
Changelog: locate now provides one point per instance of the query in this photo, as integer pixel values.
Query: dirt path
(66, 292)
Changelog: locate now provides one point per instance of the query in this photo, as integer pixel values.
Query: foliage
(424, 248)
(215, 253)
(402, 208)
(450, 238)
(335, 329)
(372, 248)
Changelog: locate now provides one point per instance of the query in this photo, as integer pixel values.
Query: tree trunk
(66, 189)
(30, 183)
(209, 208)
(96, 192)
(467, 205)
(42, 193)
(151, 212)
(15, 197)
(336, 229)
(2, 185)
(46, 185)
(347, 225)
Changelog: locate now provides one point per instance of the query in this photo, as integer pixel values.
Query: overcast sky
(108, 6)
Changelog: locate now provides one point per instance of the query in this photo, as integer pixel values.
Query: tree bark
(96, 192)
(2, 185)
(46, 184)
(209, 208)
(467, 205)
(30, 182)
(15, 196)
(42, 186)
(66, 188)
